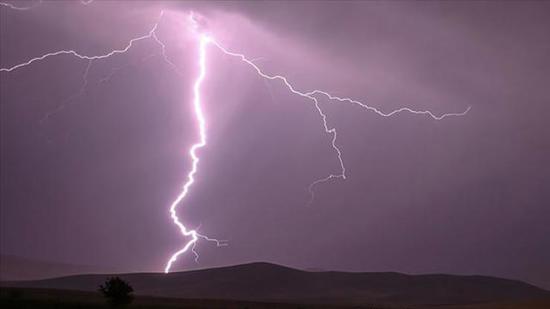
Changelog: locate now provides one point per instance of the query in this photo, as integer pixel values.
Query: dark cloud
(93, 183)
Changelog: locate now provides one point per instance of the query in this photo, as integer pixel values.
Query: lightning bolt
(80, 92)
(331, 131)
(204, 41)
(201, 121)
(81, 56)
(151, 34)
(90, 59)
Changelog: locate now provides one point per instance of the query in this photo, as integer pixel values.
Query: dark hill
(19, 268)
(274, 283)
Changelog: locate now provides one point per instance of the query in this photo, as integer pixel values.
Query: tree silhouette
(117, 291)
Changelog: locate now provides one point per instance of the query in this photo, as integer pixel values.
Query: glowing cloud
(204, 40)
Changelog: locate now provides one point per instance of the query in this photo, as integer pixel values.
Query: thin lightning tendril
(80, 92)
(330, 130)
(35, 4)
(204, 40)
(20, 8)
(81, 56)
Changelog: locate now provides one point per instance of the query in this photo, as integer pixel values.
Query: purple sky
(467, 195)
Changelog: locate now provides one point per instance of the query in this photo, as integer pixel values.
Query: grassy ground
(539, 304)
(22, 298)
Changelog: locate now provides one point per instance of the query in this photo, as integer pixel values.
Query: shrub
(117, 291)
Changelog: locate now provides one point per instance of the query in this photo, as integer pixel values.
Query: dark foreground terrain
(18, 268)
(263, 285)
(48, 298)
(19, 298)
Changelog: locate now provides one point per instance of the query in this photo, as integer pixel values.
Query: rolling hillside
(264, 282)
(18, 268)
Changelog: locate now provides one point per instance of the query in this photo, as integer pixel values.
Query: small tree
(117, 291)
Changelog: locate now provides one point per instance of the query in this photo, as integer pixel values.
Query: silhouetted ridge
(14, 267)
(276, 283)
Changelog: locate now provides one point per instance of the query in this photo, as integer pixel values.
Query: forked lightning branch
(203, 42)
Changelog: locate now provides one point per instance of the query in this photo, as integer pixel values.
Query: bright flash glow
(204, 41)
(201, 121)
